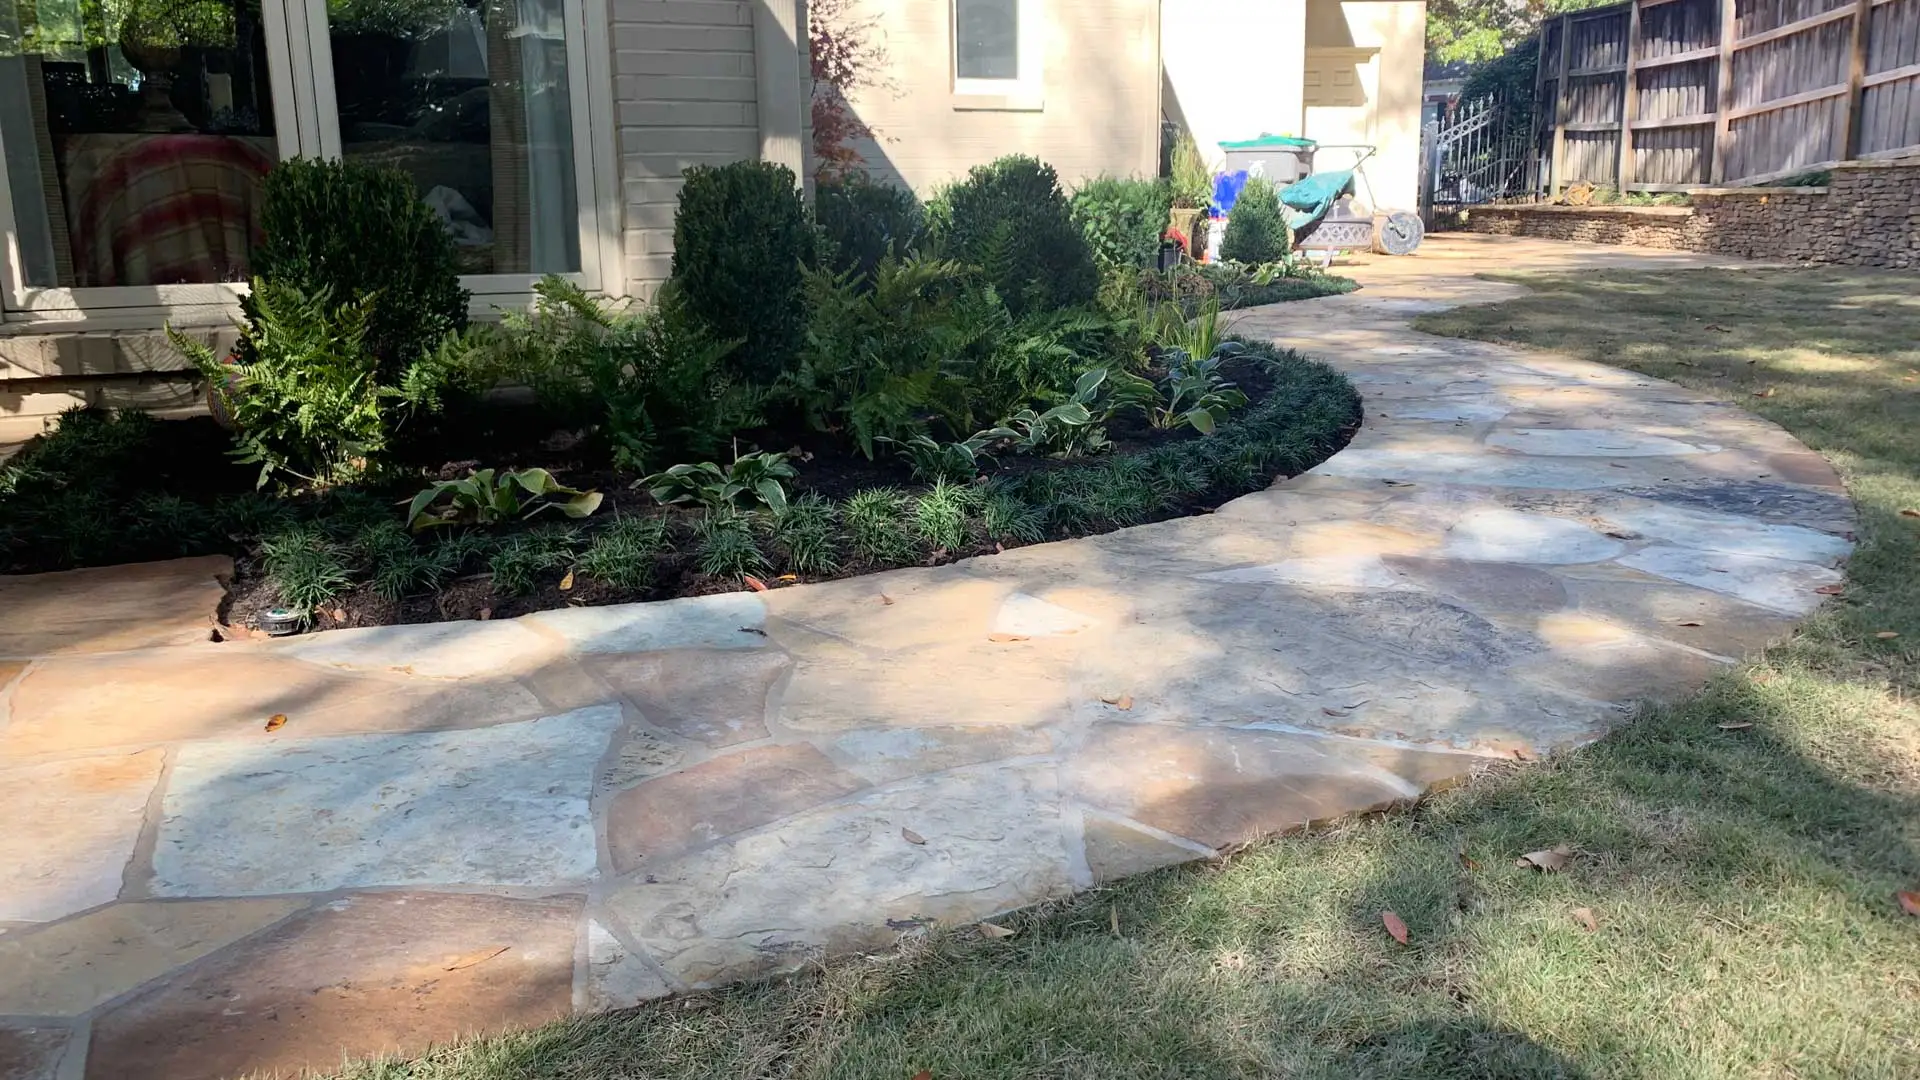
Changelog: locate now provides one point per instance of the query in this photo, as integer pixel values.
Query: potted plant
(1192, 183)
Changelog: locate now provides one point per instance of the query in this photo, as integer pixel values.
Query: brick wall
(1868, 215)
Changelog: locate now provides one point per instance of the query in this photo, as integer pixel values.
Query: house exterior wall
(1363, 65)
(1097, 112)
(684, 93)
(1233, 68)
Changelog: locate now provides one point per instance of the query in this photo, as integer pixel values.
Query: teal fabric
(1308, 200)
(1266, 141)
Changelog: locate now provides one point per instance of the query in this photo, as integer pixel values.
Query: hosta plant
(485, 497)
(1195, 393)
(754, 479)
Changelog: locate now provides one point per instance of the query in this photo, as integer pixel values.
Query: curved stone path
(466, 826)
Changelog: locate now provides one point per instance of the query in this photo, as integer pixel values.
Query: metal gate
(1481, 150)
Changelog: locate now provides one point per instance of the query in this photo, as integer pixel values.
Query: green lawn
(1742, 880)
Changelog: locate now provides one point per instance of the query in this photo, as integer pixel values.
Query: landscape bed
(821, 391)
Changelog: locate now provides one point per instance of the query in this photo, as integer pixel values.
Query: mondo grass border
(1308, 413)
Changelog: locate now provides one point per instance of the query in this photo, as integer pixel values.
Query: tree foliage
(1475, 31)
(844, 58)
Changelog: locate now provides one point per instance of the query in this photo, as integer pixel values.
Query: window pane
(471, 98)
(988, 43)
(136, 134)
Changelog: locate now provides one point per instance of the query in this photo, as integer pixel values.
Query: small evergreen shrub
(1010, 221)
(863, 220)
(742, 245)
(357, 233)
(1256, 227)
(1123, 220)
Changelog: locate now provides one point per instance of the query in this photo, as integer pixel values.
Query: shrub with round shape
(1010, 221)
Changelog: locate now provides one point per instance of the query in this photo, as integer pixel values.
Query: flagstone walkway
(468, 826)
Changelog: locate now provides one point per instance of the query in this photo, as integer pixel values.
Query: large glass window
(136, 133)
(472, 98)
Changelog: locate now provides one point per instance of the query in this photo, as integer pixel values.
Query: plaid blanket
(163, 209)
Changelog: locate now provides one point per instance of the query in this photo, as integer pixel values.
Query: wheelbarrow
(1319, 210)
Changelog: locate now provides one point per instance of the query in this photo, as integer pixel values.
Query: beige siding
(1363, 70)
(1099, 110)
(1233, 68)
(683, 73)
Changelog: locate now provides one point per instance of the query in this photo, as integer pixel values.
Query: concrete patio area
(469, 826)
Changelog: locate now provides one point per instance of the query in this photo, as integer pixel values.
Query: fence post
(1536, 119)
(1630, 99)
(1722, 122)
(1856, 71)
(1559, 165)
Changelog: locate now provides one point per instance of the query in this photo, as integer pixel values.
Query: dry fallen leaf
(1910, 513)
(566, 583)
(1829, 590)
(999, 548)
(1768, 392)
(1122, 702)
(1394, 926)
(754, 583)
(1584, 916)
(1551, 859)
(912, 837)
(1113, 918)
(1467, 860)
(1006, 637)
(276, 721)
(473, 958)
(1887, 635)
(486, 613)
(885, 600)
(339, 614)
(923, 1074)
(994, 931)
(1909, 902)
(789, 577)
(1737, 725)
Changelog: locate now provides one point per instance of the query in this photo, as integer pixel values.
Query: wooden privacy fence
(1654, 95)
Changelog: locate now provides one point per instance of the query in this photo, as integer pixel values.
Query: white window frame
(307, 124)
(1024, 92)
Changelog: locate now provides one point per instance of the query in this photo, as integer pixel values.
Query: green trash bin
(1282, 159)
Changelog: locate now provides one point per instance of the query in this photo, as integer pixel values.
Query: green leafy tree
(1479, 30)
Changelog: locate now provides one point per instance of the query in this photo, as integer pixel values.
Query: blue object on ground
(1226, 192)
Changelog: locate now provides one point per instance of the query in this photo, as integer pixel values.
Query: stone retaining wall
(1868, 215)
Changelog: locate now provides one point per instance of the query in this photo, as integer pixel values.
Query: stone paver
(127, 607)
(70, 967)
(712, 697)
(595, 807)
(504, 805)
(70, 831)
(672, 814)
(31, 1053)
(386, 973)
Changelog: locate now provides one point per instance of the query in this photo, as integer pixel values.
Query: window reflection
(136, 134)
(470, 98)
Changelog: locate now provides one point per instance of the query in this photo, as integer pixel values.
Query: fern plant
(304, 393)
